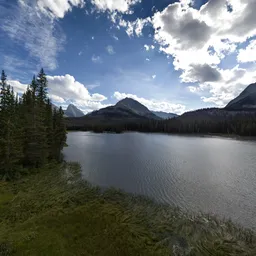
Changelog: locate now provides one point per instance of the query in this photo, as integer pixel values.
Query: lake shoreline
(203, 135)
(59, 213)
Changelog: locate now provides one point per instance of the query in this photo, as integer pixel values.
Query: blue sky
(170, 55)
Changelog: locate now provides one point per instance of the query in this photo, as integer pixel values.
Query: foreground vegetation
(54, 212)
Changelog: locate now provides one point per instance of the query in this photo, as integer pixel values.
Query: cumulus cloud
(110, 49)
(233, 82)
(122, 6)
(199, 39)
(66, 89)
(154, 76)
(185, 31)
(18, 87)
(56, 99)
(201, 73)
(248, 54)
(152, 104)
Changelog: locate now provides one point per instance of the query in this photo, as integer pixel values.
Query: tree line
(32, 131)
(205, 121)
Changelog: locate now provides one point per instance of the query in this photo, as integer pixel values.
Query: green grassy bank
(55, 212)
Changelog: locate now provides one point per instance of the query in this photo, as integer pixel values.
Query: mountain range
(164, 115)
(131, 111)
(126, 108)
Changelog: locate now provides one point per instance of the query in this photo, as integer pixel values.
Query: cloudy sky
(170, 55)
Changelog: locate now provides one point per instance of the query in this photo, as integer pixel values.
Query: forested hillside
(203, 121)
(32, 132)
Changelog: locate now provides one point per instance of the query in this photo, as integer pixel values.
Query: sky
(172, 56)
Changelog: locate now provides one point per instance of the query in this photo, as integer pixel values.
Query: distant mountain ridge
(73, 111)
(164, 115)
(246, 99)
(124, 109)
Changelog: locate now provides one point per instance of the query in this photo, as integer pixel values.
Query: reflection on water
(215, 175)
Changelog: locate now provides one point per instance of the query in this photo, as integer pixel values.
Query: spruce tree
(49, 128)
(10, 140)
(59, 132)
(31, 151)
(32, 133)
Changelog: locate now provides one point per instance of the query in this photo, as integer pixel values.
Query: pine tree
(41, 88)
(28, 113)
(10, 148)
(59, 131)
(49, 128)
(31, 132)
(41, 113)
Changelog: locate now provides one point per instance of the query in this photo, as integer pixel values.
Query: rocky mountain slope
(246, 100)
(126, 108)
(73, 111)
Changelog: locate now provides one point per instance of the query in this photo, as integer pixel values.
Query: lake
(210, 174)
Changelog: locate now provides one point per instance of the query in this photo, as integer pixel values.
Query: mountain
(73, 111)
(136, 107)
(125, 109)
(164, 115)
(246, 100)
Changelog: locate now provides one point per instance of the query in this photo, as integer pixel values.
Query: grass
(55, 212)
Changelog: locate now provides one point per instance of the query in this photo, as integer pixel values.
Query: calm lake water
(209, 174)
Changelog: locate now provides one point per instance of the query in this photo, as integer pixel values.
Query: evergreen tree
(32, 133)
(49, 128)
(59, 131)
(10, 148)
(41, 88)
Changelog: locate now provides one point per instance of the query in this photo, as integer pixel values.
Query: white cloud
(147, 47)
(18, 86)
(152, 104)
(93, 86)
(56, 99)
(96, 59)
(98, 97)
(133, 28)
(122, 6)
(34, 30)
(187, 33)
(198, 40)
(154, 76)
(248, 54)
(67, 89)
(116, 38)
(80, 53)
(147, 59)
(57, 8)
(233, 82)
(110, 49)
